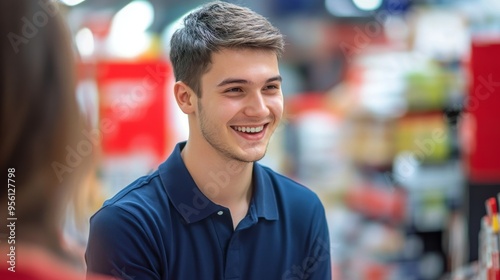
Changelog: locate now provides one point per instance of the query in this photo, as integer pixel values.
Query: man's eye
(234, 90)
(272, 87)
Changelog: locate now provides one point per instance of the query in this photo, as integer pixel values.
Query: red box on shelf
(483, 107)
(133, 99)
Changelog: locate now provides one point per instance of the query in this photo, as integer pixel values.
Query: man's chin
(251, 156)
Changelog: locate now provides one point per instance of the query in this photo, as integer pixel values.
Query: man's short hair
(213, 27)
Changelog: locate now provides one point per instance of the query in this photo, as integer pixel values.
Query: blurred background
(392, 116)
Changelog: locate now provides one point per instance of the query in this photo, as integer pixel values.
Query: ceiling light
(367, 5)
(72, 2)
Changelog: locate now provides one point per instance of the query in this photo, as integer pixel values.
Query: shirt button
(220, 213)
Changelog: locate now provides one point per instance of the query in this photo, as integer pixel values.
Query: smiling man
(211, 211)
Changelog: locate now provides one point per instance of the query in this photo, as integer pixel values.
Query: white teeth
(249, 129)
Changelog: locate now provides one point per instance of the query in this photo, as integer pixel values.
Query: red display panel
(483, 106)
(133, 106)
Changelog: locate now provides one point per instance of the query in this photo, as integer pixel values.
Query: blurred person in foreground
(211, 211)
(40, 122)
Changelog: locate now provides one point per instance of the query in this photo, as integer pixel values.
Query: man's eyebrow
(275, 78)
(243, 81)
(232, 81)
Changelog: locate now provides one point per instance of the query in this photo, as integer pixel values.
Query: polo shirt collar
(194, 206)
(264, 198)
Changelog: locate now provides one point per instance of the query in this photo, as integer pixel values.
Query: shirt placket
(228, 244)
(233, 258)
(230, 241)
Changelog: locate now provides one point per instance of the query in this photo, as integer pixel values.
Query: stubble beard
(212, 138)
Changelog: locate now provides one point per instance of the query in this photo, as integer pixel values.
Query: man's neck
(224, 181)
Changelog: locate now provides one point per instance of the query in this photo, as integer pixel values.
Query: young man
(210, 211)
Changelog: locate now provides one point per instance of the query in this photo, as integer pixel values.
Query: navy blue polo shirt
(162, 227)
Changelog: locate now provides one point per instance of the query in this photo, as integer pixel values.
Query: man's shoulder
(142, 194)
(290, 189)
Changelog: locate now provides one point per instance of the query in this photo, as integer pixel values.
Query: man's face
(241, 103)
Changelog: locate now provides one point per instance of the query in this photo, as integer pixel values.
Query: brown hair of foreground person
(40, 123)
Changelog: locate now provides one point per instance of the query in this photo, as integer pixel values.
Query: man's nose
(256, 105)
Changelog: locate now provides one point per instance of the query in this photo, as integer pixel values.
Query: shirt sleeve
(318, 265)
(119, 246)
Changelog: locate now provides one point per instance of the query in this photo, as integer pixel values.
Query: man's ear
(185, 97)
